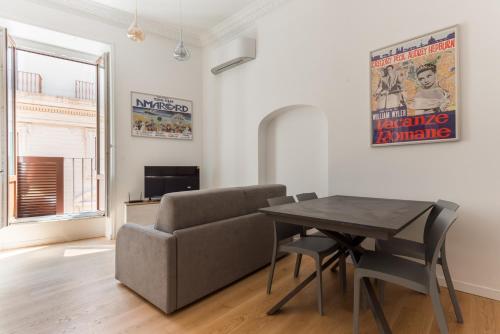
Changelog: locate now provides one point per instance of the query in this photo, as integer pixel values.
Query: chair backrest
(436, 210)
(283, 230)
(306, 196)
(280, 200)
(437, 235)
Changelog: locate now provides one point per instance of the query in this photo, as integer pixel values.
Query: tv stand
(141, 212)
(135, 201)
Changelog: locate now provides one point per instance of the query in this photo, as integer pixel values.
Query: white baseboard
(473, 289)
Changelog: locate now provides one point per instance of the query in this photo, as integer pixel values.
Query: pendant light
(181, 53)
(135, 32)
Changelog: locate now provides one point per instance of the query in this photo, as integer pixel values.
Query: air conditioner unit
(235, 53)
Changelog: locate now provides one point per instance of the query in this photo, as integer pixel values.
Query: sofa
(202, 241)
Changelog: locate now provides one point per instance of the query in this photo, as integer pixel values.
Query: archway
(293, 149)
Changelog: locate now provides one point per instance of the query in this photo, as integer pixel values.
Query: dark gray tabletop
(370, 217)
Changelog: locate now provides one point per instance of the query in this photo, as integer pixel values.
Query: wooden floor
(70, 288)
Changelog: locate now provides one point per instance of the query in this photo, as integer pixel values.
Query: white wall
(316, 53)
(147, 67)
(293, 149)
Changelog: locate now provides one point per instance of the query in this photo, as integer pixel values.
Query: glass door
(7, 127)
(103, 131)
(3, 132)
(11, 130)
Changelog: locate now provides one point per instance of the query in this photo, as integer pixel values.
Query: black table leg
(301, 286)
(376, 308)
(352, 244)
(355, 250)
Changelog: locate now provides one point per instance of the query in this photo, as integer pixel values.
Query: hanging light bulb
(135, 32)
(181, 53)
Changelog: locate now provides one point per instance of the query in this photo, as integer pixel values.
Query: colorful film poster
(414, 90)
(161, 117)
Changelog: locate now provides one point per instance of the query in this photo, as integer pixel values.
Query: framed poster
(161, 117)
(414, 90)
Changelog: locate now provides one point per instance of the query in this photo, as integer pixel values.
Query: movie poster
(414, 90)
(161, 117)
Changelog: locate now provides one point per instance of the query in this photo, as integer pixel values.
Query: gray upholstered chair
(413, 275)
(416, 250)
(317, 248)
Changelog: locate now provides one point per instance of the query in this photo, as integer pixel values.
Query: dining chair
(341, 264)
(312, 232)
(416, 250)
(413, 275)
(306, 196)
(317, 248)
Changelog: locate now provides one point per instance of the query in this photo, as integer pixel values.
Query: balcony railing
(81, 185)
(29, 82)
(85, 90)
(32, 83)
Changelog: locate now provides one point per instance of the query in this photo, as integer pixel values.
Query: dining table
(349, 220)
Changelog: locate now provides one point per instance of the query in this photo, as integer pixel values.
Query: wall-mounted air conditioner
(235, 53)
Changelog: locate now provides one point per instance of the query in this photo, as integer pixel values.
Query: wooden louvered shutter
(40, 188)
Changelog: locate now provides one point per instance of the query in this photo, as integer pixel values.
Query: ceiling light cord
(134, 32)
(180, 19)
(136, 10)
(181, 53)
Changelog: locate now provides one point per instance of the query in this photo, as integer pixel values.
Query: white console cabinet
(142, 213)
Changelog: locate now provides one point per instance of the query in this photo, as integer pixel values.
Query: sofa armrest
(146, 262)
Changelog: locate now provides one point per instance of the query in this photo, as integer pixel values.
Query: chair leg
(271, 270)
(438, 308)
(335, 266)
(297, 265)
(342, 273)
(381, 290)
(357, 299)
(319, 279)
(451, 288)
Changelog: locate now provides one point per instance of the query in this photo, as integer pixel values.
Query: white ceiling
(205, 21)
(198, 15)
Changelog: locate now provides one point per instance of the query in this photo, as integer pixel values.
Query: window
(57, 135)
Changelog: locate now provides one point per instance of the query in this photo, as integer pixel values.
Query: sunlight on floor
(73, 251)
(6, 254)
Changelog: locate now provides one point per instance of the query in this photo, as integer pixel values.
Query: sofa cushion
(214, 255)
(190, 208)
(256, 196)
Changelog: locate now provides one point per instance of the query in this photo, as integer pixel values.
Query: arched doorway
(293, 149)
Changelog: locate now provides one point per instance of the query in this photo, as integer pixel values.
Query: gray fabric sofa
(202, 241)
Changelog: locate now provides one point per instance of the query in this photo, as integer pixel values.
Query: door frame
(3, 126)
(12, 174)
(8, 97)
(103, 63)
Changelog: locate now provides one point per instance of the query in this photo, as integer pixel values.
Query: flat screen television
(161, 180)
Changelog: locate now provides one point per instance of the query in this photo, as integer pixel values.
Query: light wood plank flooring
(70, 288)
